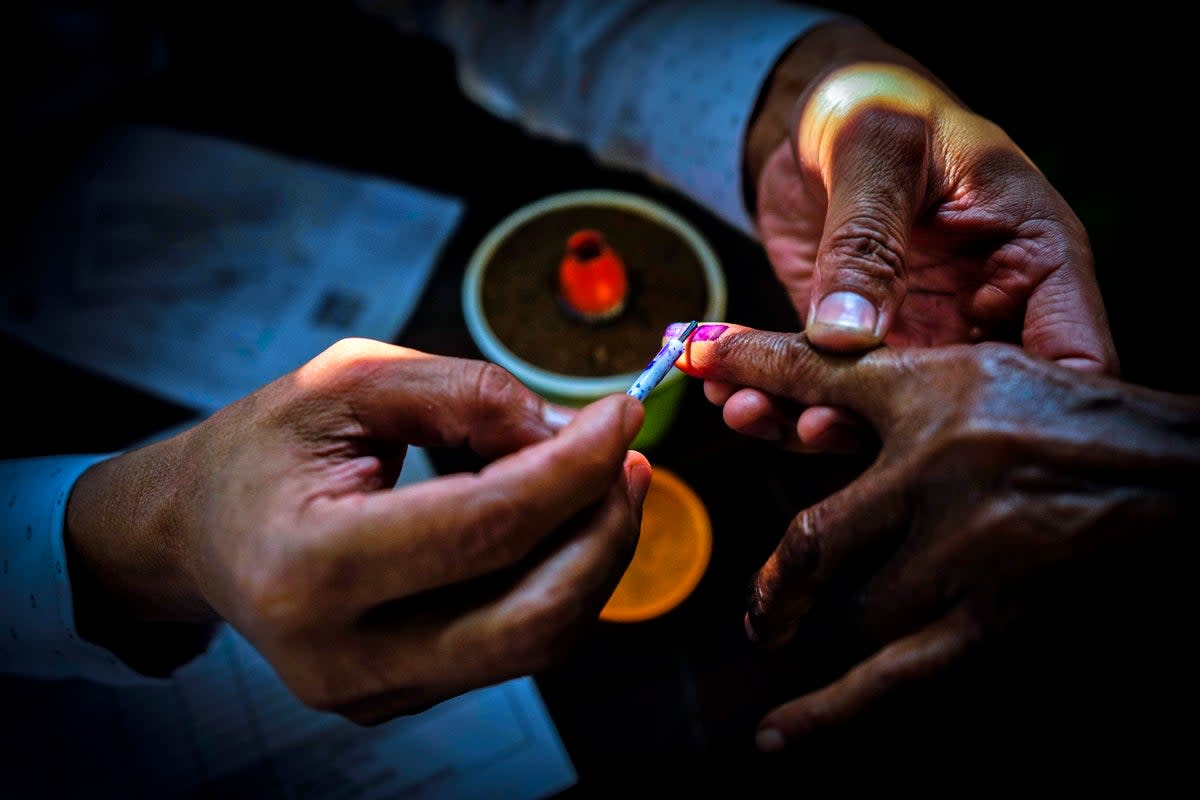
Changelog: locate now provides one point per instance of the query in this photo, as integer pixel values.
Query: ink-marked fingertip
(704, 334)
(705, 331)
(638, 473)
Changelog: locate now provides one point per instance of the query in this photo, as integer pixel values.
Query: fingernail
(1082, 364)
(769, 740)
(557, 417)
(638, 476)
(705, 332)
(848, 312)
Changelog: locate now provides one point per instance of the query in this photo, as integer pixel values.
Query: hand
(924, 221)
(278, 514)
(1002, 479)
(892, 213)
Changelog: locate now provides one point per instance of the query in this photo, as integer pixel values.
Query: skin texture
(278, 515)
(893, 214)
(981, 510)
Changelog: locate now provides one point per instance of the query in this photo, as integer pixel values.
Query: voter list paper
(200, 269)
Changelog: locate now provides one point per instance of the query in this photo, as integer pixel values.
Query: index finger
(388, 545)
(786, 365)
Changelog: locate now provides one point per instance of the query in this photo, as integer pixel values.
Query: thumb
(871, 153)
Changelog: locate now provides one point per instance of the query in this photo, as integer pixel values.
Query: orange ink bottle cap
(592, 282)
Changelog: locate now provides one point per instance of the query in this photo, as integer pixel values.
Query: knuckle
(273, 595)
(349, 351)
(896, 140)
(867, 251)
(998, 376)
(996, 361)
(495, 397)
(990, 385)
(1009, 183)
(801, 549)
(495, 388)
(346, 347)
(350, 361)
(294, 588)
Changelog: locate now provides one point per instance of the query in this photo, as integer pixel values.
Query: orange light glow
(672, 554)
(591, 277)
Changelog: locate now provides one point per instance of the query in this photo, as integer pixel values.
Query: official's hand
(278, 514)
(892, 213)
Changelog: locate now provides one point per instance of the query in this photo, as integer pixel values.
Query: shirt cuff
(698, 68)
(37, 618)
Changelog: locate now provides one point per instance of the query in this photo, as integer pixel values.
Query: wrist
(122, 537)
(817, 53)
(130, 590)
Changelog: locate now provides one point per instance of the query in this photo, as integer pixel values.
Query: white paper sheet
(200, 269)
(227, 728)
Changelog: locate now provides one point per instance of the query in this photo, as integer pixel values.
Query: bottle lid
(592, 283)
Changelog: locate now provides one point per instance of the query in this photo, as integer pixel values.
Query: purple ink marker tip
(661, 364)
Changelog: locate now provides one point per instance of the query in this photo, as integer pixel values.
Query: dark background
(1086, 699)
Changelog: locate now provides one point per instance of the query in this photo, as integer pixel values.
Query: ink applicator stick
(661, 364)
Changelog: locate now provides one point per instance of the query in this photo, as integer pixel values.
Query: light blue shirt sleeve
(37, 612)
(665, 87)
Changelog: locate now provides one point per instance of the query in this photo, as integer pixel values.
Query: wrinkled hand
(278, 514)
(894, 214)
(997, 476)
